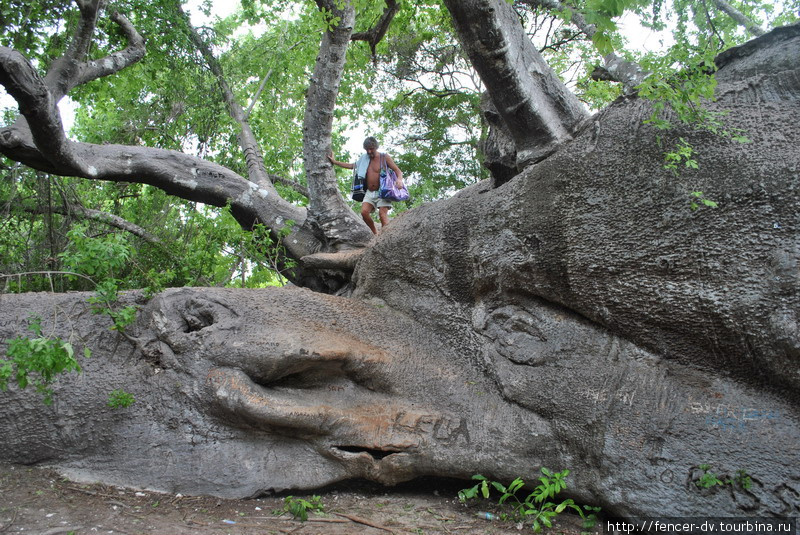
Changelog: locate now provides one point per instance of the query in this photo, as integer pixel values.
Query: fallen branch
(364, 521)
(11, 522)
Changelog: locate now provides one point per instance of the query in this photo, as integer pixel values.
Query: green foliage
(38, 361)
(683, 152)
(300, 507)
(709, 479)
(742, 479)
(97, 257)
(698, 199)
(119, 399)
(539, 507)
(101, 257)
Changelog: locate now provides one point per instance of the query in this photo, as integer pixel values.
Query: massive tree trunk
(579, 316)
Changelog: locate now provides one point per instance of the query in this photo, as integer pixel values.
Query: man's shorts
(374, 198)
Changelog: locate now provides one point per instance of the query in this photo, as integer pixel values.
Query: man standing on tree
(369, 167)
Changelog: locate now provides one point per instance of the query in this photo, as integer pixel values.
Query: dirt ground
(38, 501)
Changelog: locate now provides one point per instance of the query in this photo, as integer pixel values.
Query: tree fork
(540, 112)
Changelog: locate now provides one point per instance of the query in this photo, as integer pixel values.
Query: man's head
(371, 146)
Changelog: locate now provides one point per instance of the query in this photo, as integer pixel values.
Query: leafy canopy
(417, 93)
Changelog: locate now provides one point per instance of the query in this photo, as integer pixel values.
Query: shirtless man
(369, 165)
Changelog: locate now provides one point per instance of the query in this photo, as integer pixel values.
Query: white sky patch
(641, 38)
(219, 9)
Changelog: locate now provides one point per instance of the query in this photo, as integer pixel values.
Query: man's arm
(398, 172)
(340, 164)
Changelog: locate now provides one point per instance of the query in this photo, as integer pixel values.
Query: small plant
(742, 479)
(119, 399)
(683, 152)
(538, 507)
(299, 507)
(99, 259)
(709, 479)
(38, 361)
(105, 300)
(698, 199)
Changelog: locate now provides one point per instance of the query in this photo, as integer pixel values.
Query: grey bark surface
(578, 316)
(340, 225)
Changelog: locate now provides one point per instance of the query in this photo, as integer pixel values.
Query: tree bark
(539, 111)
(580, 316)
(341, 227)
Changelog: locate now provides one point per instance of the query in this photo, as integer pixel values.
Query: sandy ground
(39, 501)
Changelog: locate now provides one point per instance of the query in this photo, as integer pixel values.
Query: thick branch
(540, 112)
(616, 69)
(37, 105)
(71, 70)
(176, 173)
(375, 34)
(117, 61)
(344, 261)
(256, 170)
(739, 17)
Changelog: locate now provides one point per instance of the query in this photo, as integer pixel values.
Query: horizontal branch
(95, 215)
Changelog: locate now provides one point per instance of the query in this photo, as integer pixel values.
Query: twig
(13, 518)
(48, 273)
(92, 492)
(359, 520)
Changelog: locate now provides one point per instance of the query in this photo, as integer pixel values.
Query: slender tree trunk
(341, 226)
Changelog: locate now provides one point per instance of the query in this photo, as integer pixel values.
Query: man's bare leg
(383, 213)
(366, 213)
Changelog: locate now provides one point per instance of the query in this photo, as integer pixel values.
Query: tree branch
(38, 106)
(71, 70)
(95, 215)
(256, 170)
(43, 146)
(117, 61)
(739, 17)
(296, 186)
(539, 111)
(374, 35)
(263, 84)
(616, 69)
(329, 211)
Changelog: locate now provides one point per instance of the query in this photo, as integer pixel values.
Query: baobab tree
(575, 313)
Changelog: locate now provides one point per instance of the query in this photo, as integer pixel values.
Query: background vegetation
(416, 91)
